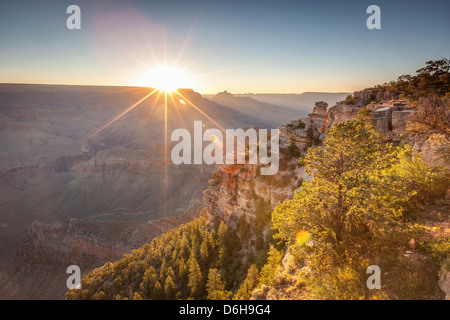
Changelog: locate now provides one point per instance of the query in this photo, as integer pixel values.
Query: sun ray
(177, 109)
(133, 57)
(188, 36)
(153, 108)
(155, 60)
(166, 174)
(193, 61)
(122, 114)
(200, 110)
(208, 117)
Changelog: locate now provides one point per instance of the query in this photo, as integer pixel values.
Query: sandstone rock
(320, 109)
(239, 187)
(343, 112)
(433, 150)
(400, 120)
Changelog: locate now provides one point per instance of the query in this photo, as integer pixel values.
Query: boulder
(433, 150)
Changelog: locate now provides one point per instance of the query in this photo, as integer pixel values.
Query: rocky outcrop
(343, 112)
(319, 116)
(89, 243)
(390, 116)
(307, 129)
(235, 190)
(58, 245)
(375, 94)
(434, 150)
(399, 122)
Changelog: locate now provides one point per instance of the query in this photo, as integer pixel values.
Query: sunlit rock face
(318, 117)
(236, 190)
(434, 150)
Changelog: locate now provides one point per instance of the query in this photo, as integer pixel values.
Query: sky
(235, 45)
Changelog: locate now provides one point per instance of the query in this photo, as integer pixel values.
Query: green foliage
(171, 266)
(273, 264)
(364, 113)
(410, 182)
(216, 177)
(355, 209)
(339, 283)
(407, 279)
(300, 125)
(195, 282)
(250, 283)
(216, 286)
(432, 79)
(312, 139)
(292, 151)
(350, 99)
(439, 251)
(169, 289)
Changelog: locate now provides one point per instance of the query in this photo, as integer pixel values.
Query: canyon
(67, 199)
(78, 185)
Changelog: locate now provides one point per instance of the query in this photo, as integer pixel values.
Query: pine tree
(244, 291)
(250, 283)
(148, 282)
(182, 271)
(214, 281)
(353, 211)
(157, 291)
(163, 271)
(184, 247)
(195, 280)
(270, 268)
(169, 288)
(216, 286)
(204, 254)
(253, 276)
(170, 273)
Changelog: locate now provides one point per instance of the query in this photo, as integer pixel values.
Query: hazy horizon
(203, 93)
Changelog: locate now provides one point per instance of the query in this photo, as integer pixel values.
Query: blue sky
(239, 46)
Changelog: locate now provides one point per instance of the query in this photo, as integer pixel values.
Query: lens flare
(302, 237)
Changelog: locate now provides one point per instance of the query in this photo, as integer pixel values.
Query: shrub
(350, 99)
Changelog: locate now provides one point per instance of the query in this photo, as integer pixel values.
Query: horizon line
(137, 86)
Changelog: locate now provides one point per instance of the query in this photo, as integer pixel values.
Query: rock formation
(235, 189)
(434, 150)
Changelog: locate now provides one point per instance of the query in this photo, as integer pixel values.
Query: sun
(167, 79)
